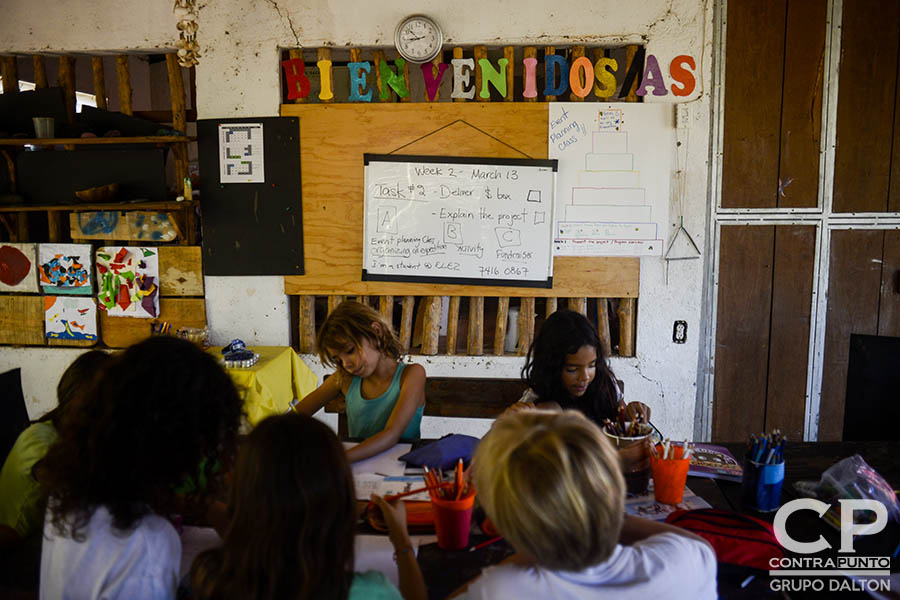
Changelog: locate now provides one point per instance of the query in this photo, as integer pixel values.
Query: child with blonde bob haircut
(552, 485)
(385, 397)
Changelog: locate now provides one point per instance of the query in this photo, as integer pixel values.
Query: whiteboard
(459, 220)
(615, 163)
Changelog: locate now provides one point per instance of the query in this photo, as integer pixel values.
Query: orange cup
(669, 476)
(452, 521)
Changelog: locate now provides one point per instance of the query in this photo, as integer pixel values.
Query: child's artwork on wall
(17, 268)
(65, 268)
(615, 161)
(70, 318)
(128, 281)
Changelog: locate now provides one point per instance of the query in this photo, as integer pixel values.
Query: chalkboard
(459, 220)
(255, 227)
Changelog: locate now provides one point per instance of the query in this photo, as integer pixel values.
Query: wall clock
(418, 39)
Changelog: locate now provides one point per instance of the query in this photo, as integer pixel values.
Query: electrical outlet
(679, 332)
(683, 116)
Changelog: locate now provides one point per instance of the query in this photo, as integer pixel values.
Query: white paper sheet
(384, 464)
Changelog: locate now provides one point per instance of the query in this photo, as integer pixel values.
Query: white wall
(239, 76)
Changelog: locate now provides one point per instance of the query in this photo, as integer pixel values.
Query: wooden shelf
(152, 139)
(81, 207)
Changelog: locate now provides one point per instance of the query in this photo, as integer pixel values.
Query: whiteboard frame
(466, 160)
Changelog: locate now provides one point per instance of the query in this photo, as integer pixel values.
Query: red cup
(452, 521)
(669, 476)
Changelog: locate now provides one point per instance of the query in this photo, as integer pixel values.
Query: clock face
(418, 39)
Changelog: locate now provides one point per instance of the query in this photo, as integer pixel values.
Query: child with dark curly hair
(293, 518)
(161, 407)
(566, 368)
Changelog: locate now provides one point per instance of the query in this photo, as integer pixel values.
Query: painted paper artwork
(17, 268)
(70, 318)
(128, 281)
(65, 268)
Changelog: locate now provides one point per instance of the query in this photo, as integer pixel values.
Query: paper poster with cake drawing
(128, 281)
(65, 268)
(70, 318)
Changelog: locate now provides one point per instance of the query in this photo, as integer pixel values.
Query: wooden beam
(66, 79)
(551, 307)
(500, 325)
(40, 72)
(333, 302)
(179, 121)
(452, 325)
(123, 76)
(99, 81)
(432, 325)
(578, 305)
(407, 305)
(603, 326)
(475, 339)
(9, 71)
(626, 326)
(479, 53)
(526, 326)
(509, 53)
(307, 324)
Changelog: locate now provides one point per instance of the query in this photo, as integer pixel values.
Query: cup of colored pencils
(452, 507)
(763, 472)
(669, 463)
(632, 439)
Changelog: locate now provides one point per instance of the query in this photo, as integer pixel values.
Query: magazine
(715, 462)
(646, 506)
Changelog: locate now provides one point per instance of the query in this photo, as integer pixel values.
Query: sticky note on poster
(70, 318)
(241, 157)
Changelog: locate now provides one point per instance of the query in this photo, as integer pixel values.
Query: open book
(646, 506)
(715, 462)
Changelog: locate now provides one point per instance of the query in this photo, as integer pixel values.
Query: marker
(485, 544)
(747, 581)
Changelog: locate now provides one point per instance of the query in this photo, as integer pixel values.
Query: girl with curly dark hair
(161, 407)
(292, 514)
(566, 368)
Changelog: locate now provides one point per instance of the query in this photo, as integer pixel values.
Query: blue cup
(761, 486)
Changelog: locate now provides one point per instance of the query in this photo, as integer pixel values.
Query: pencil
(459, 477)
(485, 544)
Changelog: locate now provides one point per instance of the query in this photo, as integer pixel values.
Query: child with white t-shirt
(552, 485)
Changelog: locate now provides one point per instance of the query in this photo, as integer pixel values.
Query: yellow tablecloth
(269, 386)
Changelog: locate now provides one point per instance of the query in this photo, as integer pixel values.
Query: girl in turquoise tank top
(384, 397)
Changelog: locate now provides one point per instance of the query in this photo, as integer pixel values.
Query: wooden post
(123, 75)
(10, 72)
(548, 51)
(526, 326)
(40, 72)
(577, 52)
(479, 53)
(509, 53)
(179, 121)
(551, 307)
(386, 308)
(603, 326)
(56, 225)
(307, 322)
(626, 326)
(325, 54)
(10, 169)
(500, 325)
(298, 53)
(333, 302)
(66, 79)
(22, 227)
(578, 305)
(458, 53)
(432, 325)
(378, 57)
(407, 305)
(99, 81)
(475, 340)
(452, 325)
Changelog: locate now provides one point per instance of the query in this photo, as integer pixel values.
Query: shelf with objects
(98, 225)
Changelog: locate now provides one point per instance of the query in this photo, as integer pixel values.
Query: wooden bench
(470, 397)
